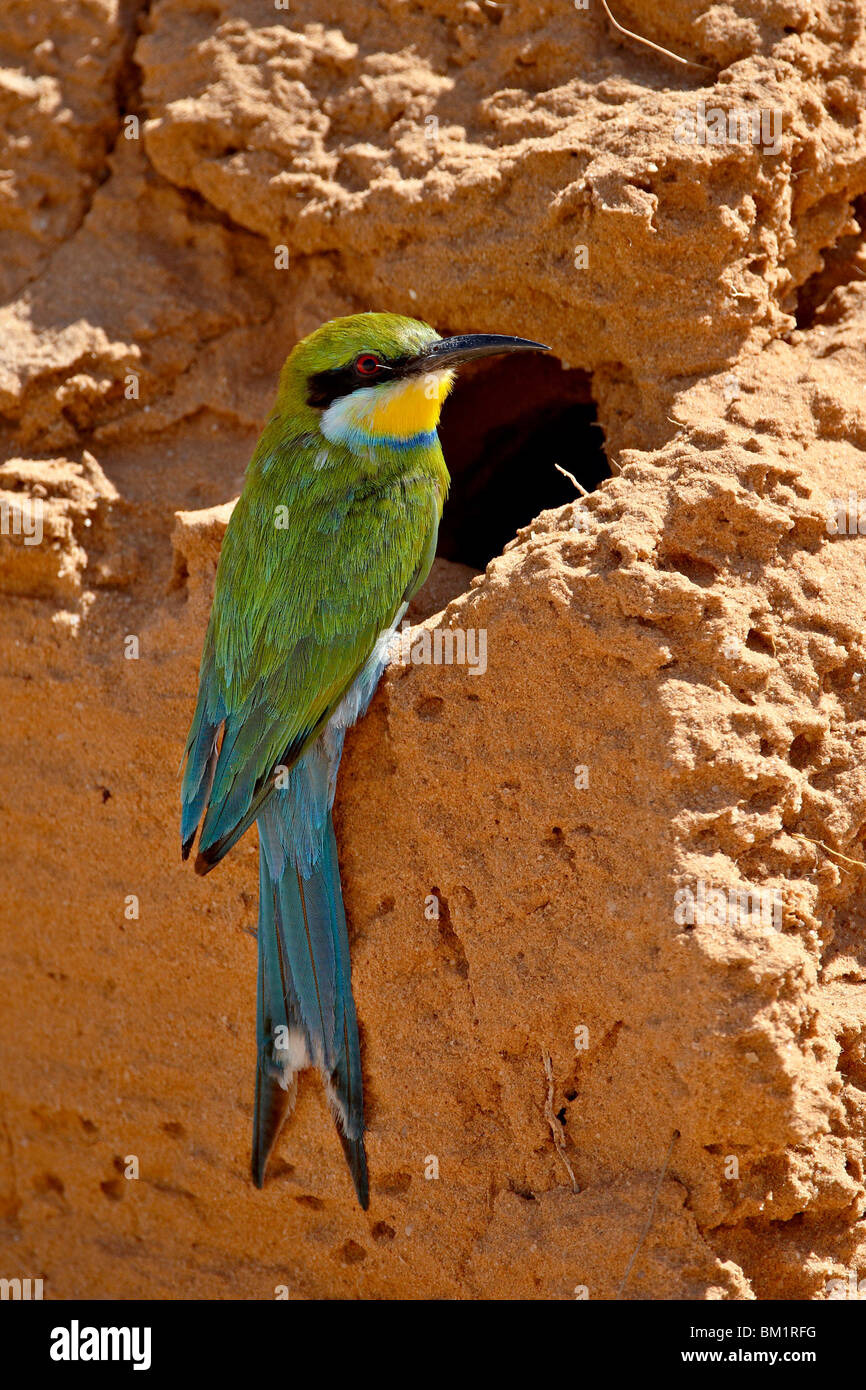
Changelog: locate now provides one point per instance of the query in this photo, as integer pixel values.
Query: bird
(333, 534)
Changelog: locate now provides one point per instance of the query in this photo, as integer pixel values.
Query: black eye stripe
(328, 386)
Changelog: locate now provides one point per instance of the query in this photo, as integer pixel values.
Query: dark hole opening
(505, 425)
(842, 264)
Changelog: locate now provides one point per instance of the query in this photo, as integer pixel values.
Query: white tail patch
(338, 1109)
(290, 1053)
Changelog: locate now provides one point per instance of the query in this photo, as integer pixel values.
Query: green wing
(297, 613)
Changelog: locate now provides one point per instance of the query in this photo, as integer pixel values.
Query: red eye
(367, 364)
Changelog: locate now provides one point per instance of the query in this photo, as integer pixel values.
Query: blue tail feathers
(306, 1012)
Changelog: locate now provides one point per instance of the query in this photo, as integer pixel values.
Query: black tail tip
(356, 1157)
(361, 1179)
(204, 863)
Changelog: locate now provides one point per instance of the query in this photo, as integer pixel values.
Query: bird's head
(379, 379)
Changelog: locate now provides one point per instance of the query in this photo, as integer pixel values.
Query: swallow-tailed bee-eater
(333, 534)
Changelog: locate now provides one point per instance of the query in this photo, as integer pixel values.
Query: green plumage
(325, 545)
(334, 532)
(321, 549)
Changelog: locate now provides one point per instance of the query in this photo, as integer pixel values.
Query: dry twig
(675, 57)
(858, 863)
(652, 1212)
(554, 1121)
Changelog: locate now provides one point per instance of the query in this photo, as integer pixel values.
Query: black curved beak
(450, 352)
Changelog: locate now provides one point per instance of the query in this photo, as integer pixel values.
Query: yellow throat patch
(401, 410)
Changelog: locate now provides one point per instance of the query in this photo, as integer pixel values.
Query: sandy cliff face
(607, 897)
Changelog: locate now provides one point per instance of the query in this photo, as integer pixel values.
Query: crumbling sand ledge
(691, 634)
